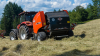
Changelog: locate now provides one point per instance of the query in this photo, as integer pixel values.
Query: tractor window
(22, 18)
(29, 17)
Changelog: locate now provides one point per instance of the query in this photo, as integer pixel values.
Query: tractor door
(22, 18)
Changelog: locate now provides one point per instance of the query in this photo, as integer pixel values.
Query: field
(85, 42)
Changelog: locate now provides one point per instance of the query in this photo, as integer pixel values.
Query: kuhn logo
(59, 18)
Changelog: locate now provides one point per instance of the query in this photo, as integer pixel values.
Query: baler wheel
(70, 33)
(41, 36)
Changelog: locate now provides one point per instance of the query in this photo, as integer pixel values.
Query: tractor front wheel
(23, 32)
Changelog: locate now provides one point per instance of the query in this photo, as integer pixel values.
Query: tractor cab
(26, 16)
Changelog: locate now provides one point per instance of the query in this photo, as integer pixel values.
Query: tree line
(81, 14)
(9, 18)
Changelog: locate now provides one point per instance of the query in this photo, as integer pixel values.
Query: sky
(45, 5)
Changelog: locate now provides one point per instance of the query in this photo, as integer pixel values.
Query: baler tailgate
(59, 23)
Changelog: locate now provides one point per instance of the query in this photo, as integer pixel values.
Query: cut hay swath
(85, 42)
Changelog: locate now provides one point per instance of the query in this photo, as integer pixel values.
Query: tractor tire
(24, 32)
(41, 36)
(13, 35)
(70, 33)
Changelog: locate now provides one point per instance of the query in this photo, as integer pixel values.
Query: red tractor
(38, 25)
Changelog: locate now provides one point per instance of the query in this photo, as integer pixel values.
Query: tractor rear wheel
(23, 32)
(41, 36)
(13, 35)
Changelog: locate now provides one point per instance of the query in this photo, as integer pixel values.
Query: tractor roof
(22, 13)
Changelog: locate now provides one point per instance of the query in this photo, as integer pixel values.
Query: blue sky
(45, 5)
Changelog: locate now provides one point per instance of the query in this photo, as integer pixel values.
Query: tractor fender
(18, 26)
(15, 30)
(27, 23)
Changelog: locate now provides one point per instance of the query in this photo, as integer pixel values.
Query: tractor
(39, 25)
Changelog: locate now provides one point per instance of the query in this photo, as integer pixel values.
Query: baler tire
(23, 32)
(41, 36)
(13, 35)
(70, 33)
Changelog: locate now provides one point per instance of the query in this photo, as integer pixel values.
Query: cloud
(44, 5)
(84, 4)
(80, 2)
(2, 5)
(0, 17)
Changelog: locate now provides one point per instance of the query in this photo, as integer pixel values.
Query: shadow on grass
(3, 49)
(60, 38)
(76, 52)
(82, 35)
(18, 48)
(1, 54)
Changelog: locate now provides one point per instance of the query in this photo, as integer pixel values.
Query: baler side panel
(38, 21)
(43, 18)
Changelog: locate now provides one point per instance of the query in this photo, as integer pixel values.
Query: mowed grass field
(85, 42)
